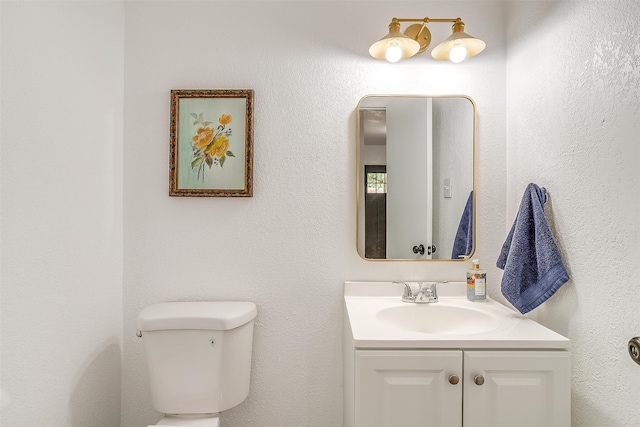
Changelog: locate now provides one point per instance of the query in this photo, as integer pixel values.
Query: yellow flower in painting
(210, 143)
(225, 119)
(202, 138)
(220, 146)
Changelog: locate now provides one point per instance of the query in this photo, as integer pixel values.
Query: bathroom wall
(573, 85)
(61, 201)
(569, 111)
(291, 246)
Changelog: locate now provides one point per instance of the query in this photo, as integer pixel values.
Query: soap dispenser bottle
(476, 282)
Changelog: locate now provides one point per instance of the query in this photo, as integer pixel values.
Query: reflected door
(375, 208)
(409, 178)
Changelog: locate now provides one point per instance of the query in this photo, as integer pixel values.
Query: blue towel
(463, 243)
(532, 264)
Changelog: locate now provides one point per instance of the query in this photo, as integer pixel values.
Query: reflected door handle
(420, 249)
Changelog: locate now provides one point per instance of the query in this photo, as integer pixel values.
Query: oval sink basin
(437, 318)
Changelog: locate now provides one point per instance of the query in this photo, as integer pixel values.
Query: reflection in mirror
(415, 177)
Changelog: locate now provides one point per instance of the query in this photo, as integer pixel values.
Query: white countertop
(363, 300)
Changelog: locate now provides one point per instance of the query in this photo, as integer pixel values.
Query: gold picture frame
(211, 143)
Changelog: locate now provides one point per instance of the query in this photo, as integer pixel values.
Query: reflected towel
(532, 264)
(463, 242)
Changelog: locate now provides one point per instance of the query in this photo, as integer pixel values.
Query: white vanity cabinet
(451, 388)
(453, 363)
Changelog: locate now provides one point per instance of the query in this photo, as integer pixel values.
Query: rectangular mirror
(415, 185)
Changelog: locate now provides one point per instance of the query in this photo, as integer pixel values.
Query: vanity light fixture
(417, 37)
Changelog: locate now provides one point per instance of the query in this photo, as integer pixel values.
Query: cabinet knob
(478, 379)
(418, 249)
(453, 379)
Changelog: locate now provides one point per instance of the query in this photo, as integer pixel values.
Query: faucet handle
(407, 294)
(434, 291)
(434, 288)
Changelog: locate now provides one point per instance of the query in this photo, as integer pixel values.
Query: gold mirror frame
(360, 177)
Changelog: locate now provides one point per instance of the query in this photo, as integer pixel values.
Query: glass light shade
(395, 39)
(472, 45)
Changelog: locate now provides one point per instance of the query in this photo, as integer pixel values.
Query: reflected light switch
(447, 188)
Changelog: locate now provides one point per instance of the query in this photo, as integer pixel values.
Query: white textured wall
(572, 81)
(291, 246)
(572, 124)
(62, 86)
(573, 93)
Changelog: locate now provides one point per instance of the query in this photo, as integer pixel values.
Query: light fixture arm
(421, 34)
(426, 20)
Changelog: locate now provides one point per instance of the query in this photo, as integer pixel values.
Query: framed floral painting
(211, 143)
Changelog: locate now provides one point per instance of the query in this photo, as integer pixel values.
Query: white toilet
(198, 358)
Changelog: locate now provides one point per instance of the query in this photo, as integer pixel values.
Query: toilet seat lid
(207, 315)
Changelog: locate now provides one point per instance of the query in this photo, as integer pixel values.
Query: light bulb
(457, 53)
(394, 52)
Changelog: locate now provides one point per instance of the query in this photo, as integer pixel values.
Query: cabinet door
(521, 388)
(407, 388)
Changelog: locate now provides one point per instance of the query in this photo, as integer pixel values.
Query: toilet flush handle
(138, 333)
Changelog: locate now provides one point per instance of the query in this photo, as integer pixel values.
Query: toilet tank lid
(209, 315)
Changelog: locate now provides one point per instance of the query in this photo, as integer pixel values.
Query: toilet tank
(198, 354)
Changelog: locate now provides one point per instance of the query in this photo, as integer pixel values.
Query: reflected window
(376, 182)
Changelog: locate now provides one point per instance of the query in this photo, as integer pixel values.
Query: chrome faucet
(425, 294)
